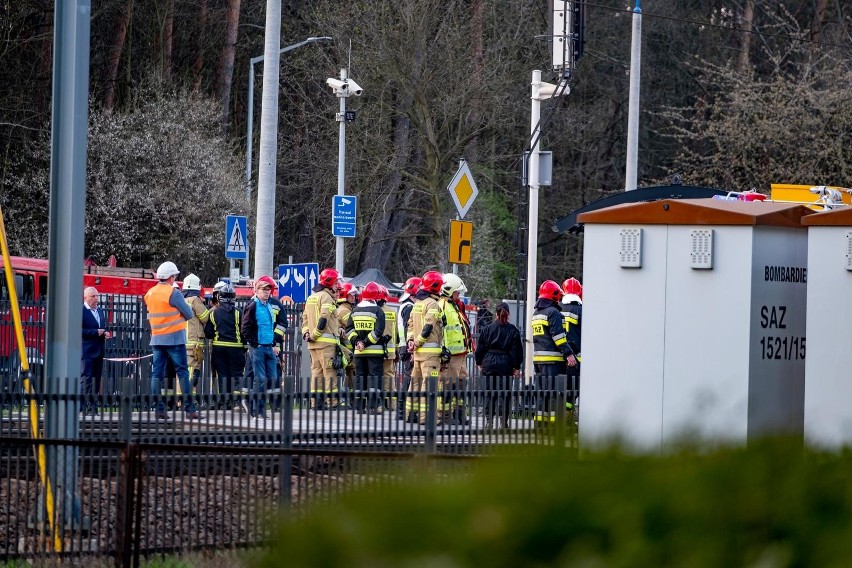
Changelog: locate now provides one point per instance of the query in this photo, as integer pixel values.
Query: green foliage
(773, 504)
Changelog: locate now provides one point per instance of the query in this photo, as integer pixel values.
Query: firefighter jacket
(248, 323)
(195, 326)
(344, 313)
(426, 326)
(456, 330)
(167, 314)
(367, 325)
(573, 314)
(223, 326)
(549, 342)
(319, 319)
(391, 332)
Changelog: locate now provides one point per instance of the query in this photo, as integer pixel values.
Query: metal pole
(69, 129)
(341, 169)
(532, 222)
(250, 128)
(630, 177)
(266, 186)
(265, 224)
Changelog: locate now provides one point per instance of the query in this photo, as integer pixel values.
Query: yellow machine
(822, 196)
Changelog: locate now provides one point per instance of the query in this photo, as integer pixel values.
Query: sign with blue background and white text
(344, 209)
(297, 280)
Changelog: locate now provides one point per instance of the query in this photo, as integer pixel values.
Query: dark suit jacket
(93, 344)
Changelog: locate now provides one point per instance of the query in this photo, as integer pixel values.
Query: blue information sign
(236, 245)
(343, 212)
(297, 280)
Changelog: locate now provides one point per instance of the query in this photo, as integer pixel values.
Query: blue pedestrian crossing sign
(297, 280)
(236, 245)
(343, 213)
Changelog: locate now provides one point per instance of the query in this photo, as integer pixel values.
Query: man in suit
(92, 353)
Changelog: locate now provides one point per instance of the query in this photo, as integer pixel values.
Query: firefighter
(572, 311)
(552, 355)
(320, 328)
(390, 339)
(424, 339)
(457, 342)
(195, 338)
(406, 302)
(347, 297)
(226, 353)
(365, 333)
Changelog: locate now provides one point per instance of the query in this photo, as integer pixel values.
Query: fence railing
(145, 485)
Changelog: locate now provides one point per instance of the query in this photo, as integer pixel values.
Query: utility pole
(265, 228)
(540, 91)
(630, 176)
(342, 89)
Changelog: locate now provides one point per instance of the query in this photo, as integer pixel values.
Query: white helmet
(218, 286)
(452, 283)
(167, 270)
(191, 282)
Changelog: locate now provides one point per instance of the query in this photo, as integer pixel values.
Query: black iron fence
(146, 483)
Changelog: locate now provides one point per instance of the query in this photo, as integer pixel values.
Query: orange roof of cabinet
(700, 212)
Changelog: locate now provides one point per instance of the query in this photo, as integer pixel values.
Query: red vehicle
(31, 284)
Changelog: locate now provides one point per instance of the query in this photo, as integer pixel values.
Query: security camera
(355, 88)
(337, 84)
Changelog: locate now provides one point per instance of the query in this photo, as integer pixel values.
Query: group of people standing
(354, 332)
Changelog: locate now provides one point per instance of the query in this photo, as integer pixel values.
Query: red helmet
(383, 293)
(266, 281)
(371, 292)
(550, 290)
(345, 289)
(412, 285)
(432, 282)
(329, 277)
(573, 286)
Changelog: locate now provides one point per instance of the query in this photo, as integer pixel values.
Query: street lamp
(342, 89)
(250, 119)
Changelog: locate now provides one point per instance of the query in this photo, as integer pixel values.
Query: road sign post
(344, 209)
(463, 189)
(461, 237)
(297, 280)
(236, 246)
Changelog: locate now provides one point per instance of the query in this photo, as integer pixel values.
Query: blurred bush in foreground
(774, 504)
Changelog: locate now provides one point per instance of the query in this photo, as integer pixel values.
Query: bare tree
(226, 59)
(199, 45)
(121, 23)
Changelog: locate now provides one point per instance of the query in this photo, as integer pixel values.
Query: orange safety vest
(163, 317)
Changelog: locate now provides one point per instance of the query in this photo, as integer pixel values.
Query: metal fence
(144, 485)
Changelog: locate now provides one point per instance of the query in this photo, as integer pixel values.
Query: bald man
(92, 353)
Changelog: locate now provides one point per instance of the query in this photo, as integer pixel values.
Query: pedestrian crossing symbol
(236, 246)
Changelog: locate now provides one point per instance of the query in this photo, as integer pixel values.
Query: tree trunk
(391, 216)
(476, 16)
(226, 60)
(199, 46)
(745, 35)
(816, 23)
(122, 22)
(168, 31)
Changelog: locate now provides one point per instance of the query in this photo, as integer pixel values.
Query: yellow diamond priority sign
(463, 189)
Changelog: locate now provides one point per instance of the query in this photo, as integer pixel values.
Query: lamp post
(266, 190)
(250, 118)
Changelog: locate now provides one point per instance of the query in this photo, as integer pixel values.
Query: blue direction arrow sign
(343, 212)
(297, 280)
(236, 245)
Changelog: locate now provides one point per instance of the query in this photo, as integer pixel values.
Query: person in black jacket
(499, 355)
